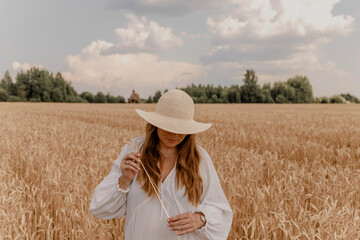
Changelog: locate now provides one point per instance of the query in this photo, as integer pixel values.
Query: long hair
(187, 165)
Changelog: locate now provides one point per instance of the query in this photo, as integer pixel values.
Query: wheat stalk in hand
(135, 148)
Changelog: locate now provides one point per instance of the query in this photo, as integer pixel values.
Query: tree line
(295, 90)
(38, 85)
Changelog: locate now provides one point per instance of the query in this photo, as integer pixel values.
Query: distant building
(134, 98)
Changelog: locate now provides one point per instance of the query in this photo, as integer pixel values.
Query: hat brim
(174, 125)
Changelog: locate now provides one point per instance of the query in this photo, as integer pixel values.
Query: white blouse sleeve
(213, 203)
(109, 200)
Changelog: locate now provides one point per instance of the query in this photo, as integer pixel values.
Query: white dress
(146, 219)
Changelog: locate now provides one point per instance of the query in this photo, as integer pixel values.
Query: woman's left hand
(185, 223)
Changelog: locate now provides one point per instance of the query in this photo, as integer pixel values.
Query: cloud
(122, 72)
(298, 63)
(190, 36)
(97, 47)
(17, 66)
(168, 8)
(131, 63)
(265, 19)
(218, 48)
(143, 35)
(224, 53)
(274, 29)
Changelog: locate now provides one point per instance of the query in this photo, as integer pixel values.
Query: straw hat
(174, 113)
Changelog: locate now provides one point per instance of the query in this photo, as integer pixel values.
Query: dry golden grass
(288, 171)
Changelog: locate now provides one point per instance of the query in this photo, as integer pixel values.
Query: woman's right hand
(130, 165)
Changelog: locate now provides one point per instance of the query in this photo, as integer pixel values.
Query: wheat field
(288, 171)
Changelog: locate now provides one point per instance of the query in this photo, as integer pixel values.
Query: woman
(169, 189)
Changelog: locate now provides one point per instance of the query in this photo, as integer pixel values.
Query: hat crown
(176, 104)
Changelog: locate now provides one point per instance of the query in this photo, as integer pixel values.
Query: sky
(115, 46)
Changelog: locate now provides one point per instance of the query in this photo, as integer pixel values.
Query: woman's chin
(171, 144)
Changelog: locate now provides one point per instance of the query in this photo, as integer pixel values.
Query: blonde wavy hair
(187, 165)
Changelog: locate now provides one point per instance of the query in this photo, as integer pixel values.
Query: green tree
(75, 99)
(46, 97)
(224, 95)
(13, 98)
(70, 91)
(3, 95)
(35, 99)
(100, 98)
(56, 95)
(120, 99)
(88, 96)
(302, 89)
(214, 99)
(110, 99)
(65, 87)
(287, 92)
(204, 94)
(267, 96)
(337, 99)
(250, 77)
(210, 91)
(201, 99)
(22, 83)
(38, 83)
(157, 96)
(150, 99)
(197, 93)
(267, 86)
(233, 94)
(280, 99)
(7, 84)
(251, 92)
(350, 98)
(323, 99)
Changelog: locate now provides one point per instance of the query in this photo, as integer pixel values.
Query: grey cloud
(290, 37)
(165, 7)
(257, 53)
(270, 33)
(247, 48)
(126, 50)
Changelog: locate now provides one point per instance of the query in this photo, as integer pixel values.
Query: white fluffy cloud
(120, 67)
(97, 47)
(17, 66)
(143, 35)
(120, 73)
(264, 19)
(274, 29)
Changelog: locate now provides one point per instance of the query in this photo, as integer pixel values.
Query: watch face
(202, 218)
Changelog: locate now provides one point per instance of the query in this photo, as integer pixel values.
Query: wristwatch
(202, 218)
